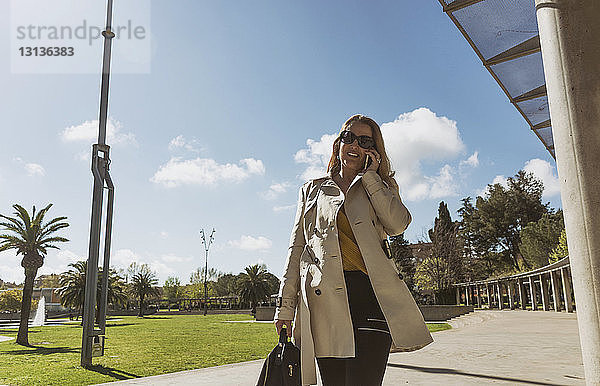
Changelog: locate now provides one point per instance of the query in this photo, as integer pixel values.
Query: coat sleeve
(390, 210)
(290, 284)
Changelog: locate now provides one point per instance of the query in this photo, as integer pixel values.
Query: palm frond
(40, 216)
(46, 231)
(55, 239)
(15, 221)
(23, 215)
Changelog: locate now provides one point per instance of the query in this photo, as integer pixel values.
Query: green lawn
(136, 348)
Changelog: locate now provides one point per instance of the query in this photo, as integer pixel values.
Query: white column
(522, 295)
(467, 295)
(545, 297)
(457, 296)
(555, 290)
(499, 288)
(566, 284)
(511, 294)
(570, 41)
(534, 306)
(478, 295)
(489, 298)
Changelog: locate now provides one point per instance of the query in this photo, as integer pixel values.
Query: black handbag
(282, 366)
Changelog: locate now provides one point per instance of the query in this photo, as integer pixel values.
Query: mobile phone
(368, 161)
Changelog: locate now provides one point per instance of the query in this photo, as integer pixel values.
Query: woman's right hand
(279, 325)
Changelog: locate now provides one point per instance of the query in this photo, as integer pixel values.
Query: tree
(143, 283)
(10, 300)
(196, 287)
(72, 287)
(561, 249)
(444, 266)
(492, 227)
(172, 289)
(31, 238)
(254, 285)
(226, 285)
(48, 281)
(539, 238)
(404, 260)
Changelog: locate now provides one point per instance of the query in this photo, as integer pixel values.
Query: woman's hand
(279, 325)
(375, 159)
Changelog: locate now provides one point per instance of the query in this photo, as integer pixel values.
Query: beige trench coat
(313, 290)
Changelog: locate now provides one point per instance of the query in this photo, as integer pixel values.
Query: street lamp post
(93, 339)
(206, 248)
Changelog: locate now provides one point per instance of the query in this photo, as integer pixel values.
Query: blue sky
(238, 106)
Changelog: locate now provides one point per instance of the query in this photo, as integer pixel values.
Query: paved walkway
(485, 347)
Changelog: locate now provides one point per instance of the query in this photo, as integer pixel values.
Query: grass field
(136, 347)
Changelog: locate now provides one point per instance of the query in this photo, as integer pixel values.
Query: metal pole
(206, 248)
(100, 163)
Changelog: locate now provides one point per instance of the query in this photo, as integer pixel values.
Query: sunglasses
(364, 141)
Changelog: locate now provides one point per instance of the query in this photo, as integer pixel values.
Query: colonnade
(547, 288)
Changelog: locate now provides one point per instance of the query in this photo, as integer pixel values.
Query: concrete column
(511, 294)
(566, 285)
(472, 289)
(466, 295)
(457, 296)
(522, 294)
(479, 304)
(555, 290)
(534, 306)
(487, 292)
(499, 288)
(570, 41)
(545, 297)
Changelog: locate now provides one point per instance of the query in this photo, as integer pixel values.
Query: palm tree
(31, 238)
(143, 284)
(72, 287)
(254, 285)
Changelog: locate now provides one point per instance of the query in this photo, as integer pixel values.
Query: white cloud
(545, 172)
(541, 169)
(275, 190)
(124, 257)
(205, 171)
(316, 156)
(10, 267)
(472, 161)
(88, 132)
(250, 243)
(164, 234)
(443, 184)
(33, 169)
(284, 208)
(499, 179)
(418, 136)
(412, 138)
(180, 142)
(172, 258)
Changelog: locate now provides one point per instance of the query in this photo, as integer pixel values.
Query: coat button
(401, 276)
(317, 260)
(318, 292)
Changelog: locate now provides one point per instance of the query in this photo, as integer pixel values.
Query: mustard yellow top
(352, 260)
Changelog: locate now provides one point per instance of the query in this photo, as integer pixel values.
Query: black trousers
(371, 337)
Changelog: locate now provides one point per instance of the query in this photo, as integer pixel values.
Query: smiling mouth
(353, 155)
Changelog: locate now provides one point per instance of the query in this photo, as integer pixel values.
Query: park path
(485, 347)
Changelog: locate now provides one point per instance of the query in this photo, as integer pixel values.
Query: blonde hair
(385, 167)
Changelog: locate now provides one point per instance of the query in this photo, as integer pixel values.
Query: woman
(348, 302)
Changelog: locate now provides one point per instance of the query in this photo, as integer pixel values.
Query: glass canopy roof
(504, 34)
